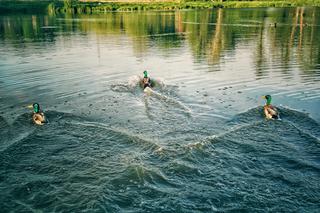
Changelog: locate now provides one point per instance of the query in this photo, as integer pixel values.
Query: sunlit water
(198, 143)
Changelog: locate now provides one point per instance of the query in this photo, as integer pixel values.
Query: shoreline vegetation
(102, 6)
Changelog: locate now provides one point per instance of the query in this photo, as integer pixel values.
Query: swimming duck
(270, 111)
(38, 116)
(146, 82)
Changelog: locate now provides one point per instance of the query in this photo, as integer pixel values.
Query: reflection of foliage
(299, 35)
(282, 34)
(67, 3)
(7, 6)
(26, 27)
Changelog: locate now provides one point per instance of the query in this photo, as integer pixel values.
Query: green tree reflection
(285, 35)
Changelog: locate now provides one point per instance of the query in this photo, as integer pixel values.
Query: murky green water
(199, 143)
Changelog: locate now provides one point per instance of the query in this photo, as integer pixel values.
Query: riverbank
(89, 6)
(93, 6)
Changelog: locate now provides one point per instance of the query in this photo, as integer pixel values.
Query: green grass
(95, 7)
(73, 6)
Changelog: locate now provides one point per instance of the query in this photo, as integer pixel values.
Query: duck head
(145, 74)
(268, 98)
(36, 108)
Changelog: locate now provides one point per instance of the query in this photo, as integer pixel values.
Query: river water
(198, 143)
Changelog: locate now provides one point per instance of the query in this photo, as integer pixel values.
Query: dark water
(199, 143)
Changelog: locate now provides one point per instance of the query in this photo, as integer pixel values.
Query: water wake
(160, 92)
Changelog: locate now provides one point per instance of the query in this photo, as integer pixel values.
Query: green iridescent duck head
(268, 98)
(36, 108)
(145, 74)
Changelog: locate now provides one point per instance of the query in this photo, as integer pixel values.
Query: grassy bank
(96, 6)
(92, 6)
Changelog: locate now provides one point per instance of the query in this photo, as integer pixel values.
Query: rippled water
(199, 143)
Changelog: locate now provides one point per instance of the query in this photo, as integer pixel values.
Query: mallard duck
(270, 111)
(38, 116)
(146, 82)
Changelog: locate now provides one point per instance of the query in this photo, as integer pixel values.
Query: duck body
(39, 118)
(270, 111)
(146, 81)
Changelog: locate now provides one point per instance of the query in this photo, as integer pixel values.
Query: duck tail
(276, 117)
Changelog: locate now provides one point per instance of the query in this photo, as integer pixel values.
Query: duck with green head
(38, 116)
(270, 111)
(146, 82)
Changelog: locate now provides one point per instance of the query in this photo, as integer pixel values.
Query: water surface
(200, 143)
